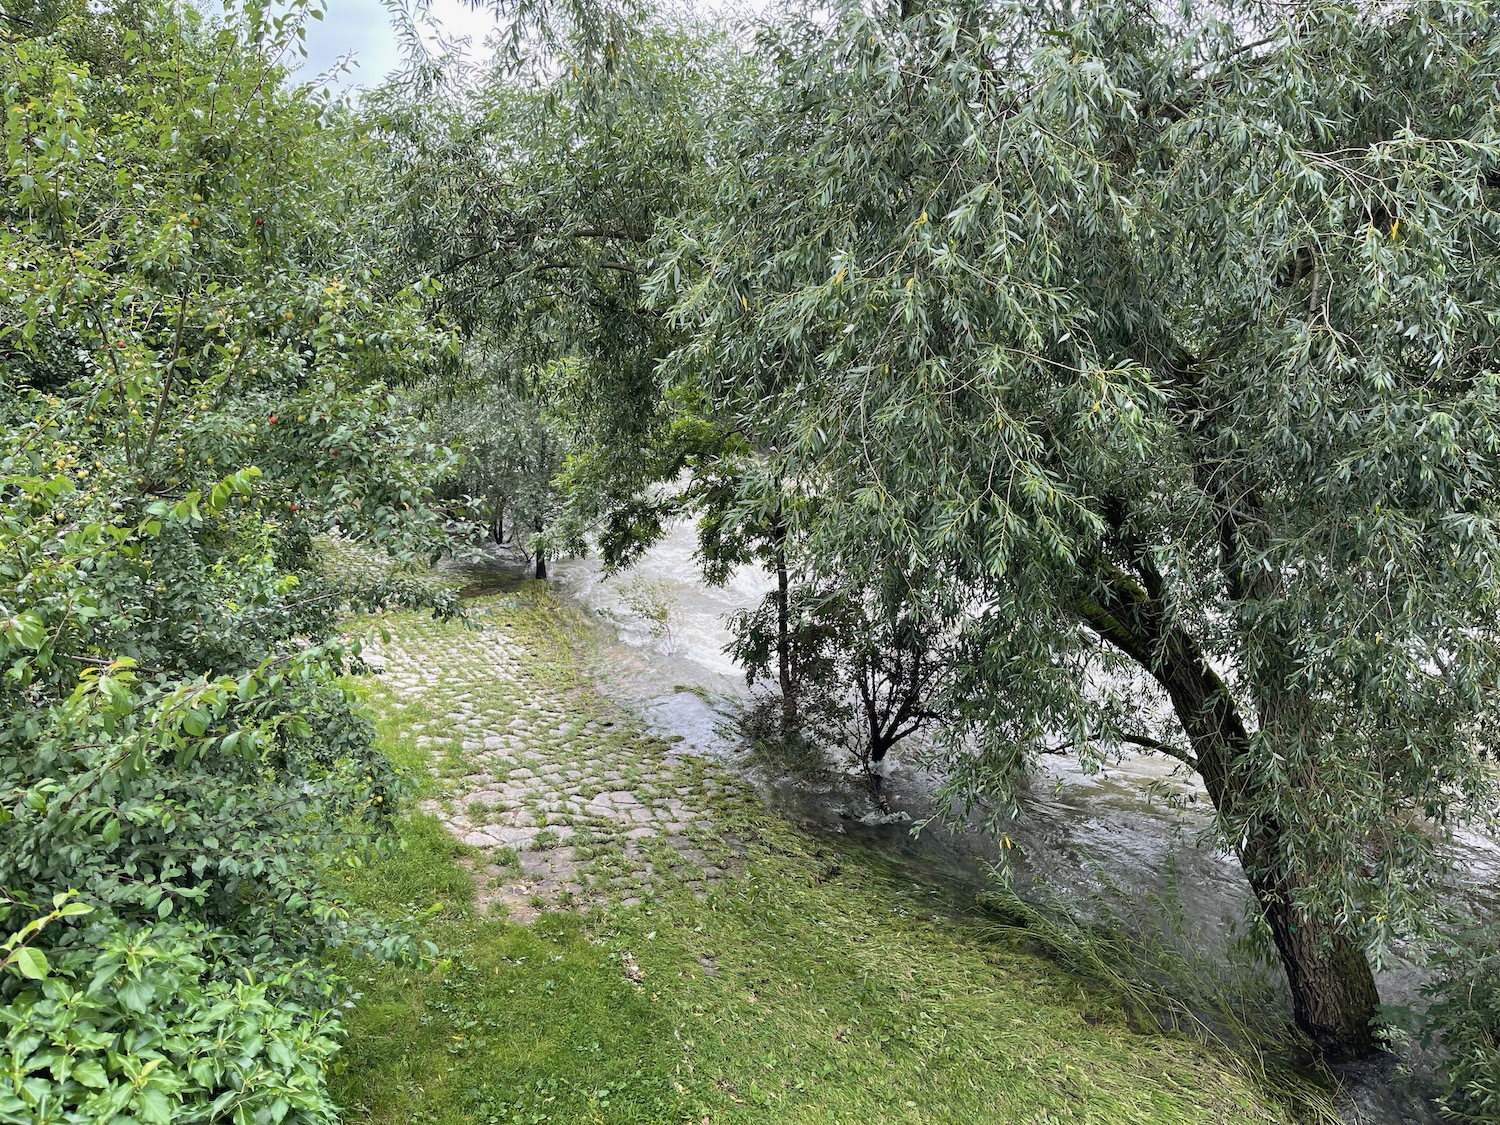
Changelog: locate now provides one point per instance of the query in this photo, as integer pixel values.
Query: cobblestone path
(565, 801)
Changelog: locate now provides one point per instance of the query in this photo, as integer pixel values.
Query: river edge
(806, 979)
(1128, 847)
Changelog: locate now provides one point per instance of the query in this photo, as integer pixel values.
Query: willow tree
(1171, 342)
(543, 199)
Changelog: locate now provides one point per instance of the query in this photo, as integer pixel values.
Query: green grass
(813, 984)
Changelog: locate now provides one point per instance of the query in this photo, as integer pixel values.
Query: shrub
(1465, 1020)
(195, 354)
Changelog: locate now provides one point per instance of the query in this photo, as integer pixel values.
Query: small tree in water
(868, 662)
(653, 602)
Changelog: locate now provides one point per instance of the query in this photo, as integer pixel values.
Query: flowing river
(1130, 842)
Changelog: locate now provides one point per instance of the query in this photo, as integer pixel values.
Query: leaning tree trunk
(1333, 988)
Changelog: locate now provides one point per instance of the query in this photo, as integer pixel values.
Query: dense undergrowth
(190, 337)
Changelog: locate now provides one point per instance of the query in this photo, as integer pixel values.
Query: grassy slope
(812, 986)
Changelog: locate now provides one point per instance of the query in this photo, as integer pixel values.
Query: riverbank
(629, 936)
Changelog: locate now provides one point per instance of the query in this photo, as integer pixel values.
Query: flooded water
(1110, 840)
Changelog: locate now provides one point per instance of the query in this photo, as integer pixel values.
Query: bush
(139, 1022)
(653, 602)
(1464, 1019)
(194, 351)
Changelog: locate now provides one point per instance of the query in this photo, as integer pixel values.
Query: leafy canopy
(1129, 314)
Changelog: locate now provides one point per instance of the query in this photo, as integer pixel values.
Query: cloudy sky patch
(363, 29)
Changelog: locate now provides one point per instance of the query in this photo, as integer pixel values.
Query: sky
(363, 28)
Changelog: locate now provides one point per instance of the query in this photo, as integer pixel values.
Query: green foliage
(195, 355)
(1169, 343)
(1159, 348)
(1164, 343)
(1149, 956)
(653, 602)
(868, 652)
(1465, 1020)
(538, 200)
(513, 447)
(139, 1023)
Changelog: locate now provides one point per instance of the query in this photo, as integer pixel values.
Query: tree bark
(1333, 989)
(541, 564)
(784, 674)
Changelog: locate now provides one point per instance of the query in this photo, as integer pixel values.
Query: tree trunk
(879, 748)
(1333, 989)
(541, 564)
(784, 632)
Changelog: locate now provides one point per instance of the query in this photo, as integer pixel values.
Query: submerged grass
(1160, 976)
(813, 983)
